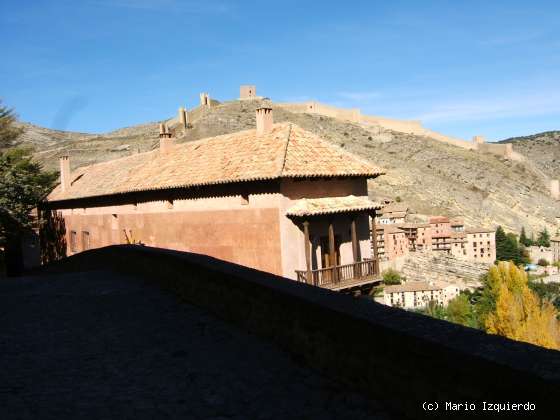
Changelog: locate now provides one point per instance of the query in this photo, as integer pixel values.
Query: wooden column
(332, 252)
(374, 242)
(307, 251)
(354, 237)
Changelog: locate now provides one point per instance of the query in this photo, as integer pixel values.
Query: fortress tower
(247, 92)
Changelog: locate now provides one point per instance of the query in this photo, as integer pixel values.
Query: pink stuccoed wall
(254, 232)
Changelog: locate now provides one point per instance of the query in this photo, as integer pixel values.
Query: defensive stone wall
(404, 126)
(404, 358)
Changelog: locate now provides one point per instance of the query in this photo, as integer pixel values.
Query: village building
(276, 198)
(418, 294)
(555, 245)
(391, 243)
(457, 225)
(537, 253)
(418, 235)
(393, 213)
(441, 234)
(481, 245)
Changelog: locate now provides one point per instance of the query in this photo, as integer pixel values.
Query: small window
(244, 199)
(85, 241)
(73, 241)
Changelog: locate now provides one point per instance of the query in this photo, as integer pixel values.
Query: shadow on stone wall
(404, 358)
(52, 236)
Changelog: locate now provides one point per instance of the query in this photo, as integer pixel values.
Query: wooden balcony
(342, 276)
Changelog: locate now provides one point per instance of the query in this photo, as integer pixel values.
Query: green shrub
(392, 276)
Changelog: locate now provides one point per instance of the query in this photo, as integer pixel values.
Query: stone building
(417, 294)
(276, 198)
(247, 92)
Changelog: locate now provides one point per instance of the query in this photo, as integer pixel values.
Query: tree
(392, 276)
(22, 181)
(544, 238)
(518, 312)
(460, 311)
(507, 247)
(523, 239)
(8, 131)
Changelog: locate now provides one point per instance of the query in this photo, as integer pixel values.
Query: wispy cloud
(493, 108)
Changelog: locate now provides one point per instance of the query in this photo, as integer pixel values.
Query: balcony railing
(339, 274)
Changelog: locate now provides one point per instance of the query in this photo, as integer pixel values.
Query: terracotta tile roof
(412, 225)
(330, 205)
(439, 219)
(395, 207)
(393, 215)
(287, 151)
(457, 222)
(390, 229)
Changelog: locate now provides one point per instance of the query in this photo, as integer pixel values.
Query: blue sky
(462, 67)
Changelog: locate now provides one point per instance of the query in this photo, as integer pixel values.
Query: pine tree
(518, 313)
(543, 238)
(523, 239)
(8, 131)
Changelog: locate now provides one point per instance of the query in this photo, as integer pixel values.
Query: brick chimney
(264, 120)
(166, 141)
(65, 173)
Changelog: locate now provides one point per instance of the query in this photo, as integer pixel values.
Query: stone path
(98, 346)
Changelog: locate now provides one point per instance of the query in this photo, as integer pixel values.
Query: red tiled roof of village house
(330, 205)
(439, 219)
(389, 229)
(395, 207)
(287, 151)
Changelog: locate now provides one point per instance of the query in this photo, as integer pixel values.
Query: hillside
(543, 149)
(433, 177)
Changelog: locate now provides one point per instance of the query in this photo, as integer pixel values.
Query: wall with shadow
(404, 358)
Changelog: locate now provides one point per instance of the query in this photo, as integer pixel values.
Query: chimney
(164, 131)
(65, 173)
(264, 120)
(166, 141)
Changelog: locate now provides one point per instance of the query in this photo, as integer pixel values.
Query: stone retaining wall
(403, 358)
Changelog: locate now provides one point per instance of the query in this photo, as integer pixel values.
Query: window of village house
(73, 241)
(244, 199)
(85, 240)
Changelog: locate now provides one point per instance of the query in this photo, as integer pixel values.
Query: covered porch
(339, 251)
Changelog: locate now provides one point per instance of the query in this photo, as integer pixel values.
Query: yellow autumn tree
(519, 314)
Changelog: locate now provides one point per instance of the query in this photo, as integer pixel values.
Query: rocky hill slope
(433, 177)
(543, 149)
